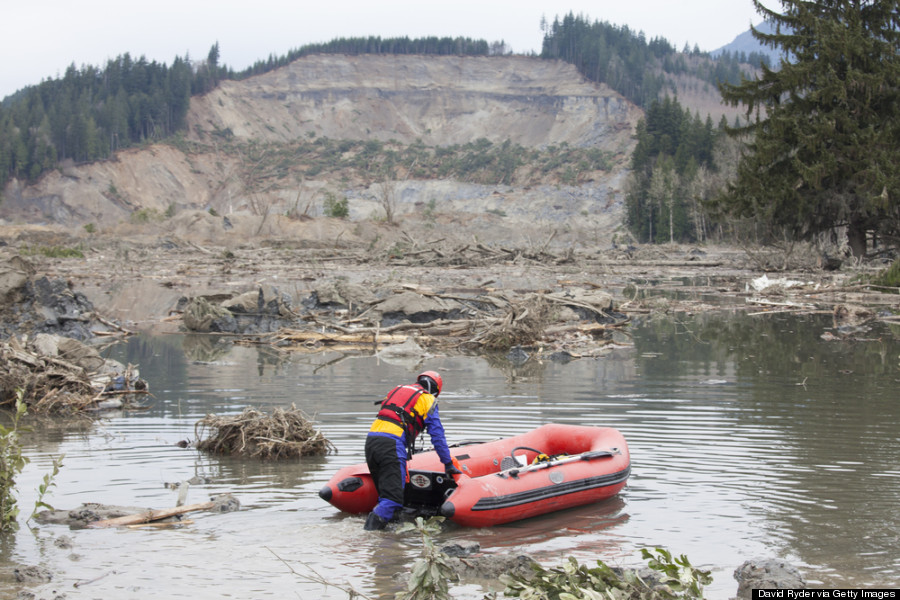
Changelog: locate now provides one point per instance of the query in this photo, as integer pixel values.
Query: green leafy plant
(573, 581)
(678, 573)
(890, 277)
(54, 251)
(432, 573)
(570, 581)
(399, 249)
(48, 482)
(430, 211)
(145, 215)
(335, 207)
(11, 464)
(113, 192)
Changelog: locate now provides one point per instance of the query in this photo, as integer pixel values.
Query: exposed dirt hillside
(440, 100)
(243, 156)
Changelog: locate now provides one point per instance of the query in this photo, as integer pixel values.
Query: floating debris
(62, 375)
(286, 433)
(523, 325)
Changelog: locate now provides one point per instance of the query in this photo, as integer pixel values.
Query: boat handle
(514, 473)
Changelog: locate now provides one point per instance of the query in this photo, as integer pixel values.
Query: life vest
(399, 407)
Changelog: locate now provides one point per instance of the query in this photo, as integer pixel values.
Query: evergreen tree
(5, 148)
(179, 89)
(822, 148)
(670, 167)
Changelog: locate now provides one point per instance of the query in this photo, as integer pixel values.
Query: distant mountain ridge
(747, 44)
(357, 127)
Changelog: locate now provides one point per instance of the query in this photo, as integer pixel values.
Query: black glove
(451, 470)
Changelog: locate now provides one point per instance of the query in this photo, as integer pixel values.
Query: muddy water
(751, 436)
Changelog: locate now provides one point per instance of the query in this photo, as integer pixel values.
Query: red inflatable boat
(550, 468)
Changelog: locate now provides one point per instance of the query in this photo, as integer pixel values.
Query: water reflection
(751, 436)
(207, 349)
(814, 430)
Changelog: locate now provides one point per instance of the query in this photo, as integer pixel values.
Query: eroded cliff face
(106, 192)
(438, 101)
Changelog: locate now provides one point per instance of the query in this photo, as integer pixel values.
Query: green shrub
(144, 215)
(48, 482)
(54, 251)
(337, 208)
(430, 211)
(399, 249)
(890, 277)
(678, 579)
(113, 192)
(430, 575)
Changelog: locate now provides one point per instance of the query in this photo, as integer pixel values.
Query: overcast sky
(40, 38)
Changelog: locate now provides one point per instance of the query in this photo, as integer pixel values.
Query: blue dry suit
(389, 442)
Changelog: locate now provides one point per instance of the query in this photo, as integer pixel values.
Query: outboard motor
(426, 491)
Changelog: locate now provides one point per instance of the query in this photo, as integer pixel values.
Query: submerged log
(150, 515)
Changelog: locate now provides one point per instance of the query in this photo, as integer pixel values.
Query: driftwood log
(362, 338)
(150, 515)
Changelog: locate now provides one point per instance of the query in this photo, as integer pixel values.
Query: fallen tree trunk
(150, 515)
(661, 263)
(405, 326)
(366, 337)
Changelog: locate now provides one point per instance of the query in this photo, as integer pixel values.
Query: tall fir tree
(822, 148)
(673, 148)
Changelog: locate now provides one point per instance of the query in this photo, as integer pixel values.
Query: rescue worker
(405, 412)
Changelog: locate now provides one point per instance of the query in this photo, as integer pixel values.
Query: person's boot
(374, 522)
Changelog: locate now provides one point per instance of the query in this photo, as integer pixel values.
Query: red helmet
(430, 380)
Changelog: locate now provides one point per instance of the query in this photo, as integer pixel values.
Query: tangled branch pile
(48, 384)
(523, 325)
(70, 377)
(283, 434)
(412, 253)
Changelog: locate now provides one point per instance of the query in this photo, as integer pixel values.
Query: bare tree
(309, 196)
(663, 187)
(387, 189)
(253, 181)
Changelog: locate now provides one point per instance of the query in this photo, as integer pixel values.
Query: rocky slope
(440, 100)
(437, 100)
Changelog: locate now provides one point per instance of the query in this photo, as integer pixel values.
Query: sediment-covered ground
(366, 276)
